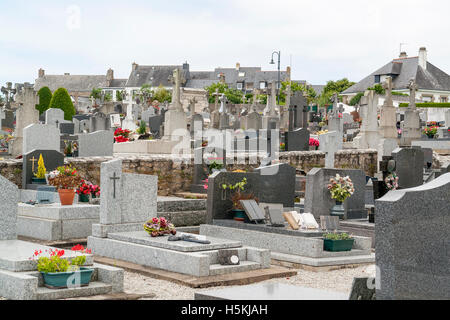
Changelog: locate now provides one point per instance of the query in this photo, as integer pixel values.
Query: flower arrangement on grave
(391, 181)
(336, 242)
(159, 227)
(321, 132)
(341, 188)
(322, 124)
(430, 131)
(95, 190)
(205, 186)
(121, 135)
(214, 166)
(66, 180)
(314, 142)
(57, 270)
(40, 174)
(80, 248)
(432, 124)
(282, 146)
(70, 147)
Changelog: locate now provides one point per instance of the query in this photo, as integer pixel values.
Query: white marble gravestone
(41, 137)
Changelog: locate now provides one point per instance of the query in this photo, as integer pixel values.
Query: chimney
(403, 55)
(238, 66)
(41, 73)
(110, 75)
(186, 66)
(288, 71)
(134, 66)
(67, 74)
(423, 58)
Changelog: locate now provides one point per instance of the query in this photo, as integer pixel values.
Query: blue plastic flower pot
(59, 280)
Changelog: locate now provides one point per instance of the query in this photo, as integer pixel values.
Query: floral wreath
(391, 181)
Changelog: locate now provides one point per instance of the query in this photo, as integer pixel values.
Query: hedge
(62, 100)
(427, 105)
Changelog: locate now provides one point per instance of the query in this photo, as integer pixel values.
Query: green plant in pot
(336, 242)
(59, 272)
(340, 188)
(39, 177)
(236, 197)
(214, 166)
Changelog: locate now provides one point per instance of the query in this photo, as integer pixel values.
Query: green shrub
(62, 100)
(356, 99)
(45, 96)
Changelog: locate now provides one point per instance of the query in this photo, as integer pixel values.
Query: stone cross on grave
(114, 178)
(335, 100)
(412, 86)
(223, 104)
(191, 105)
(176, 102)
(57, 123)
(296, 105)
(33, 160)
(388, 86)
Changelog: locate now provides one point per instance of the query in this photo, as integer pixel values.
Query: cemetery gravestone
(52, 160)
(96, 144)
(297, 140)
(41, 136)
(318, 198)
(67, 128)
(409, 166)
(54, 116)
(412, 246)
(9, 197)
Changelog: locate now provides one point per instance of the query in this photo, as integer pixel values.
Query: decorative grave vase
(66, 196)
(59, 280)
(431, 136)
(83, 197)
(338, 210)
(371, 217)
(239, 215)
(38, 181)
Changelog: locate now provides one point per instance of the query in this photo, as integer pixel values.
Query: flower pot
(338, 245)
(66, 196)
(59, 280)
(83, 198)
(239, 215)
(338, 210)
(431, 136)
(93, 196)
(38, 181)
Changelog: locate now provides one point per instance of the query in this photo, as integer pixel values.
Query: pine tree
(41, 168)
(45, 96)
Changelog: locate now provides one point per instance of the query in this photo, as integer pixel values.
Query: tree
(308, 92)
(45, 96)
(356, 99)
(337, 86)
(61, 100)
(162, 94)
(234, 96)
(96, 93)
(119, 95)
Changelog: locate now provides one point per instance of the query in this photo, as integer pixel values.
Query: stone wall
(175, 177)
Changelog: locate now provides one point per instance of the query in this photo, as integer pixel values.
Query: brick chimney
(423, 58)
(67, 74)
(41, 73)
(134, 66)
(288, 71)
(403, 55)
(238, 66)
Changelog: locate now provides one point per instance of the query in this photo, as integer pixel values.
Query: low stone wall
(175, 176)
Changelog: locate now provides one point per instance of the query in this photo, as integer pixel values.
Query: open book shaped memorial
(253, 211)
(274, 214)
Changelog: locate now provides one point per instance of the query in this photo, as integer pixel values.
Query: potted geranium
(159, 227)
(66, 180)
(121, 135)
(58, 271)
(340, 188)
(95, 191)
(336, 242)
(83, 191)
(313, 144)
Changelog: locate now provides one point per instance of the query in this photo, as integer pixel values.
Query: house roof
(118, 83)
(402, 70)
(80, 83)
(153, 75)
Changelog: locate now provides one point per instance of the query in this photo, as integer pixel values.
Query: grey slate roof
(402, 70)
(118, 83)
(153, 75)
(81, 83)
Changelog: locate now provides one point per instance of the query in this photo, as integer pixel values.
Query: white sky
(327, 40)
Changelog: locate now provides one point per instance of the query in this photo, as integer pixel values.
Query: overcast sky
(325, 40)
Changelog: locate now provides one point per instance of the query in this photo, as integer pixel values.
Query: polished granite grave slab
(266, 228)
(270, 291)
(143, 238)
(15, 255)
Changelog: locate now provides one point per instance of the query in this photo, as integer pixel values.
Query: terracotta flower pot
(66, 196)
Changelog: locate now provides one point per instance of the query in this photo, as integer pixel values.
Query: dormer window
(241, 74)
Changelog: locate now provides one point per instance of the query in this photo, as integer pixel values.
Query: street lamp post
(279, 73)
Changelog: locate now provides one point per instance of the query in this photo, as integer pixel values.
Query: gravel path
(337, 280)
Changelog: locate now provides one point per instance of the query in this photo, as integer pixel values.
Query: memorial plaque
(253, 211)
(229, 257)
